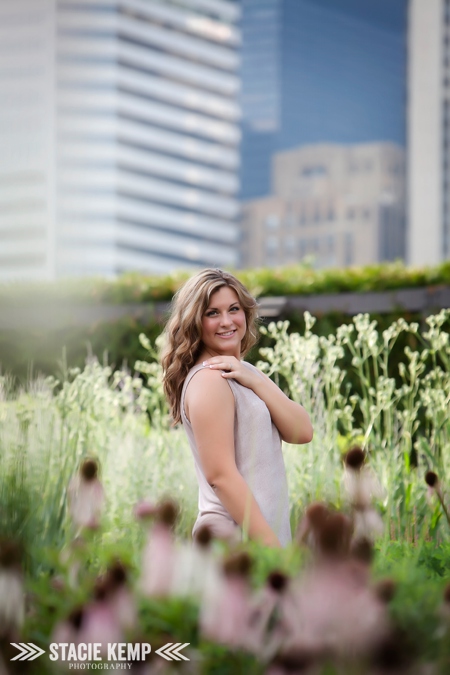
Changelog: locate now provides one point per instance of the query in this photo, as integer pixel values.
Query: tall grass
(402, 419)
(46, 430)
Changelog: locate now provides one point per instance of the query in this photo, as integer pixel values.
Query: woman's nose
(225, 319)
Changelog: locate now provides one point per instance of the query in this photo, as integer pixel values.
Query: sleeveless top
(259, 460)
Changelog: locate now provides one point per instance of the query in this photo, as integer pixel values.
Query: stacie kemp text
(94, 651)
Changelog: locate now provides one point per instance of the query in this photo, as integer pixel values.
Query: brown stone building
(336, 205)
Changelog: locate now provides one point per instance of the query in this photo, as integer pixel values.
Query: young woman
(235, 416)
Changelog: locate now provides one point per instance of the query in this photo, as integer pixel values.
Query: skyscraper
(119, 136)
(429, 132)
(319, 71)
(338, 205)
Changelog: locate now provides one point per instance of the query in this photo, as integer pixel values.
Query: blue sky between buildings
(318, 71)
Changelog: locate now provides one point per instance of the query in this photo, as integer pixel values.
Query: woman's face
(224, 324)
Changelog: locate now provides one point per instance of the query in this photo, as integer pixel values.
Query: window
(271, 244)
(302, 247)
(348, 248)
(330, 243)
(289, 245)
(272, 221)
(313, 171)
(289, 220)
(270, 260)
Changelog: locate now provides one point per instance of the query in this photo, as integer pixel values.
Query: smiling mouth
(230, 332)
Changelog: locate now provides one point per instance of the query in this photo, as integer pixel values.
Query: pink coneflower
(86, 496)
(160, 552)
(101, 625)
(100, 621)
(362, 550)
(432, 479)
(434, 487)
(362, 487)
(385, 589)
(94, 622)
(360, 482)
(145, 511)
(112, 589)
(224, 617)
(311, 524)
(273, 616)
(197, 571)
(334, 536)
(337, 612)
(68, 630)
(12, 602)
(393, 653)
(355, 458)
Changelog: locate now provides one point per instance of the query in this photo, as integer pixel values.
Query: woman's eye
(234, 308)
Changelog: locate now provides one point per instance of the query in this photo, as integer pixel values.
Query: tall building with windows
(319, 71)
(429, 132)
(337, 205)
(119, 136)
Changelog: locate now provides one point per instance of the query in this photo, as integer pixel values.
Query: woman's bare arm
(289, 417)
(210, 409)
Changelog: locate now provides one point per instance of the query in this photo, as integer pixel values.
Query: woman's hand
(290, 418)
(233, 368)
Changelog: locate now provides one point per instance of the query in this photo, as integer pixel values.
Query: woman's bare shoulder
(208, 388)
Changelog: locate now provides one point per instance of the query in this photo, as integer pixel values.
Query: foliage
(300, 279)
(39, 348)
(401, 449)
(46, 430)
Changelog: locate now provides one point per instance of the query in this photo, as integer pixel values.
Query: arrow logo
(28, 651)
(170, 651)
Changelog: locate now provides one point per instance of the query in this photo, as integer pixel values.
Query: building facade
(429, 132)
(335, 205)
(120, 143)
(319, 71)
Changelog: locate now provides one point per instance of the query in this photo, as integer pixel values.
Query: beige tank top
(259, 460)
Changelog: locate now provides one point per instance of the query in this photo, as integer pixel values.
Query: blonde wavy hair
(182, 343)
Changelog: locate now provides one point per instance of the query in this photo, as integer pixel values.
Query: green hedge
(42, 350)
(293, 280)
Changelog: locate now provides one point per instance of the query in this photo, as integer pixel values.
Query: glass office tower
(119, 147)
